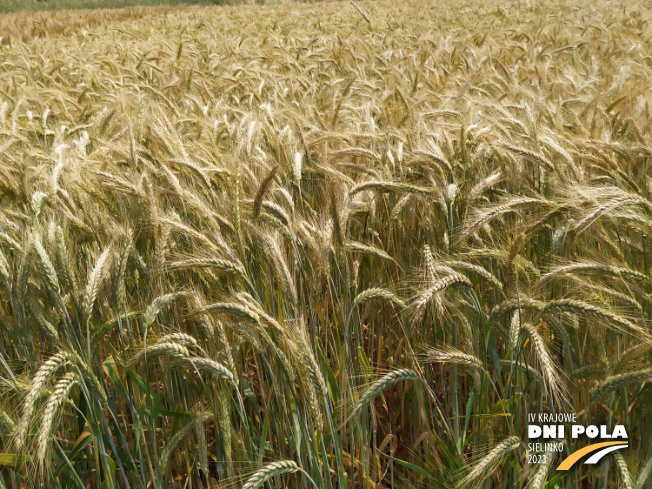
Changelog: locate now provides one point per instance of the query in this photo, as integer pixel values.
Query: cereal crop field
(346, 245)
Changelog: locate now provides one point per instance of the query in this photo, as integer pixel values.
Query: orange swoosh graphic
(574, 457)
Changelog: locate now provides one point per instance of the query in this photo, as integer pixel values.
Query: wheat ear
(551, 377)
(451, 355)
(538, 480)
(375, 292)
(58, 397)
(623, 470)
(157, 305)
(217, 263)
(168, 348)
(195, 423)
(93, 283)
(213, 367)
(45, 265)
(645, 473)
(380, 385)
(617, 381)
(489, 462)
(36, 389)
(268, 471)
(233, 309)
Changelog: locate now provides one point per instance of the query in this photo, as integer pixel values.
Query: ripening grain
(336, 245)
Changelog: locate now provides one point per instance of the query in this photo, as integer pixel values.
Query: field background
(338, 245)
(49, 5)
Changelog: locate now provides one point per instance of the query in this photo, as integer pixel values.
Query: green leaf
(12, 459)
(410, 466)
(553, 482)
(84, 439)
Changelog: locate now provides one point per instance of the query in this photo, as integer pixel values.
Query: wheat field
(332, 246)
